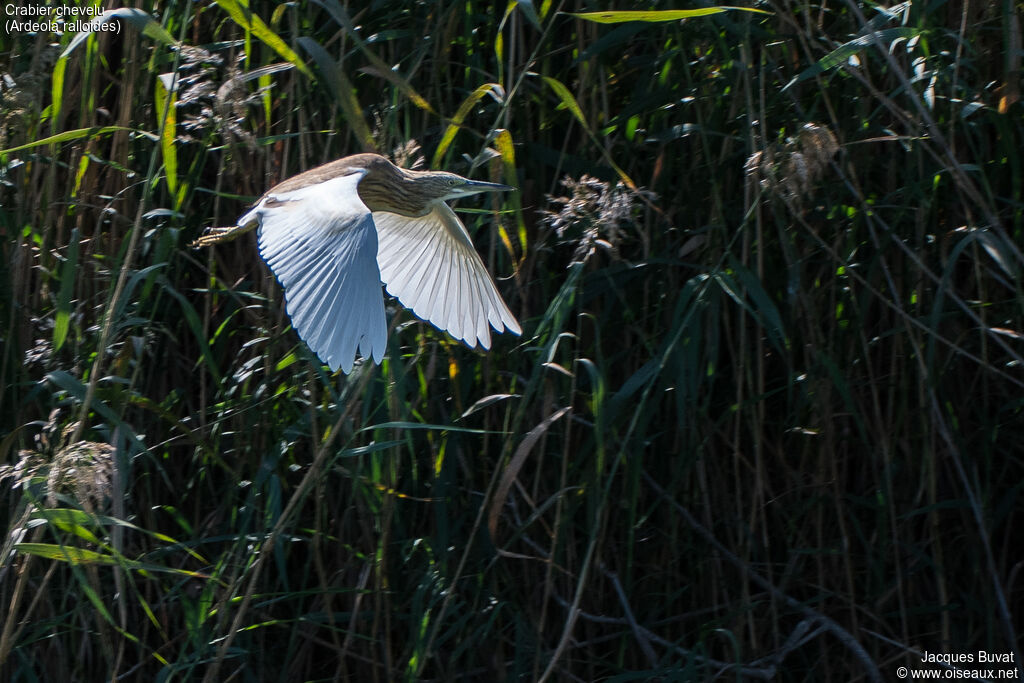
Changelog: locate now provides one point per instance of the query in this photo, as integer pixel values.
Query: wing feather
(405, 250)
(422, 285)
(321, 243)
(430, 265)
(468, 313)
(446, 306)
(479, 312)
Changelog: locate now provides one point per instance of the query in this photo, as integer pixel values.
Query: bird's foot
(214, 236)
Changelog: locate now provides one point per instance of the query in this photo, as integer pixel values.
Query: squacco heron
(334, 234)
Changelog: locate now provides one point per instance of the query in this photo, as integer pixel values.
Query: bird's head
(386, 187)
(445, 186)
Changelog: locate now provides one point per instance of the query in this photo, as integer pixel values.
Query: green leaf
(72, 521)
(83, 166)
(841, 54)
(378, 67)
(747, 290)
(67, 283)
(290, 359)
(396, 79)
(74, 387)
(655, 16)
(420, 425)
(530, 12)
(503, 142)
(133, 282)
(142, 21)
(196, 325)
(342, 89)
(77, 134)
(572, 105)
(567, 99)
(647, 373)
(165, 99)
(460, 116)
(57, 91)
(250, 21)
(74, 555)
(65, 553)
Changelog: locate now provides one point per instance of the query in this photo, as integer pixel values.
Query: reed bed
(763, 422)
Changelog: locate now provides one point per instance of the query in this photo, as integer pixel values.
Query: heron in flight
(334, 234)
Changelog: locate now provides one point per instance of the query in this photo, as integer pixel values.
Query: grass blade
(656, 16)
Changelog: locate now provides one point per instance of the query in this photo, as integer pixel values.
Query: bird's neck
(393, 189)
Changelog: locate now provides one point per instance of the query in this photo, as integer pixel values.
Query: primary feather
(324, 253)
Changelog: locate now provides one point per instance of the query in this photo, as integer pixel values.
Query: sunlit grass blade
(83, 556)
(165, 101)
(77, 134)
(657, 16)
(460, 115)
(244, 16)
(570, 103)
(506, 148)
(69, 273)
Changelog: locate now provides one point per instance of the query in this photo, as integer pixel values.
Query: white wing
(429, 263)
(321, 244)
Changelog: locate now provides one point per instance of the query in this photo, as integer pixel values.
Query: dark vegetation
(764, 420)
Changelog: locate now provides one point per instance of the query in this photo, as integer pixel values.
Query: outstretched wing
(430, 265)
(321, 244)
